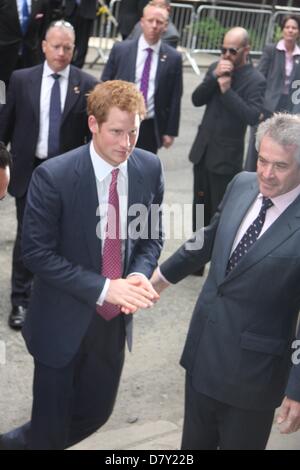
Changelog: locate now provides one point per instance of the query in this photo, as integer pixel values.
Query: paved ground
(149, 410)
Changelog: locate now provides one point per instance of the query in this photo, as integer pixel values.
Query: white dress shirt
(46, 87)
(140, 62)
(102, 171)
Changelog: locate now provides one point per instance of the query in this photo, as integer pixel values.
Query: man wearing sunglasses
(5, 161)
(232, 91)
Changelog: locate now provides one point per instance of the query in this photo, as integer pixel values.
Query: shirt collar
(48, 71)
(281, 47)
(144, 45)
(101, 168)
(284, 200)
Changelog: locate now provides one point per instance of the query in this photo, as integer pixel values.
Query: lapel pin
(163, 58)
(76, 90)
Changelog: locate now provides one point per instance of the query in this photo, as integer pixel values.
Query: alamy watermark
(145, 222)
(296, 353)
(2, 93)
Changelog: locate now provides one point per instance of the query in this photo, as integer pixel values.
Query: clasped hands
(223, 73)
(135, 292)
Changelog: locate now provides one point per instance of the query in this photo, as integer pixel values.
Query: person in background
(45, 115)
(81, 14)
(240, 355)
(232, 91)
(280, 65)
(20, 24)
(170, 36)
(156, 69)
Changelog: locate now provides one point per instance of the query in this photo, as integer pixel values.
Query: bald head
(238, 35)
(236, 46)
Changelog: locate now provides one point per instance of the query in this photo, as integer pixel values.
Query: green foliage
(208, 31)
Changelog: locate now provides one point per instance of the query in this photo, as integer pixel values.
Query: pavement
(149, 409)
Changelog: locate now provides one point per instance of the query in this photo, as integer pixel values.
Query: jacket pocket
(263, 344)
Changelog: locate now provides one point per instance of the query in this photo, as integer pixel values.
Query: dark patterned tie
(146, 74)
(112, 250)
(54, 118)
(250, 236)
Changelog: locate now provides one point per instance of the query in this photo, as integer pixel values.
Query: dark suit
(82, 18)
(121, 65)
(19, 125)
(238, 348)
(77, 353)
(12, 40)
(217, 153)
(129, 14)
(272, 66)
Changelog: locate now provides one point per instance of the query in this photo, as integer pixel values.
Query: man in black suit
(20, 42)
(241, 356)
(25, 122)
(127, 61)
(129, 14)
(86, 269)
(5, 161)
(232, 91)
(81, 14)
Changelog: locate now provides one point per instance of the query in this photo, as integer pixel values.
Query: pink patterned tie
(146, 74)
(112, 251)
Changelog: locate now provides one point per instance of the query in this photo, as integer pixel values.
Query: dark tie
(54, 118)
(25, 17)
(112, 250)
(250, 236)
(146, 74)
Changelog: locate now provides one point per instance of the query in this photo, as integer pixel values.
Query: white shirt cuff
(101, 299)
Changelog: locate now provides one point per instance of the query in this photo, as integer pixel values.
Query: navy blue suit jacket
(20, 120)
(62, 249)
(168, 82)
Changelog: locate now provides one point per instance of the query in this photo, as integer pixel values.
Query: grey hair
(284, 129)
(62, 24)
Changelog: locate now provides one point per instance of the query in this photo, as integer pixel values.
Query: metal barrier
(212, 22)
(200, 30)
(275, 22)
(183, 16)
(105, 31)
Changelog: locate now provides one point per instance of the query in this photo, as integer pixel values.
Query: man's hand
(142, 281)
(224, 83)
(130, 295)
(289, 416)
(224, 68)
(158, 284)
(167, 141)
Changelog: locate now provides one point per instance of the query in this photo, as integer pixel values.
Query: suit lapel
(88, 201)
(286, 224)
(73, 92)
(34, 90)
(131, 62)
(135, 191)
(15, 14)
(162, 61)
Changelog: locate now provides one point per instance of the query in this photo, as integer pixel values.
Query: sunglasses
(231, 50)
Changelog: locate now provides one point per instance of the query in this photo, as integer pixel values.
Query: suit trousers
(209, 189)
(21, 278)
(83, 29)
(72, 402)
(211, 425)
